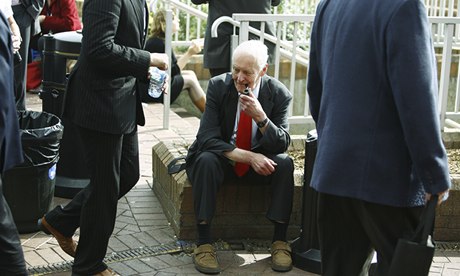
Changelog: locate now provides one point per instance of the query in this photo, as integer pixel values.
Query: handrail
(259, 17)
(237, 17)
(294, 46)
(188, 9)
(448, 41)
(444, 20)
(220, 20)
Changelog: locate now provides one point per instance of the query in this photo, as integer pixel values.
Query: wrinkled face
(245, 72)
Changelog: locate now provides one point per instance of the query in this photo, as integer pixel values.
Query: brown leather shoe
(107, 272)
(281, 256)
(67, 244)
(205, 259)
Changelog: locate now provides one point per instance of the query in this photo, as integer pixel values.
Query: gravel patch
(453, 156)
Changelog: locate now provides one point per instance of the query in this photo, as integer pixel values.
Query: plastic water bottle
(157, 80)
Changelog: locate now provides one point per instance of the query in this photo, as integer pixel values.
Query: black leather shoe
(67, 244)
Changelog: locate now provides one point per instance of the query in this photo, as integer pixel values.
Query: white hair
(254, 48)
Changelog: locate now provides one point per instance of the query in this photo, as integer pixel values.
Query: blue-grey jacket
(373, 89)
(10, 143)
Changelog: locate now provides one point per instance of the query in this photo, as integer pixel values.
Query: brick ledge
(174, 193)
(240, 211)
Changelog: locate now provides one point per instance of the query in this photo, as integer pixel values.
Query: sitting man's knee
(207, 158)
(284, 162)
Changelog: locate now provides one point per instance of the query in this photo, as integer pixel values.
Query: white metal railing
(286, 49)
(447, 24)
(292, 33)
(444, 25)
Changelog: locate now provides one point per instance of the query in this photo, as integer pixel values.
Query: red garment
(61, 16)
(34, 75)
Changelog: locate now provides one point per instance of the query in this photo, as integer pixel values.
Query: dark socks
(280, 231)
(204, 234)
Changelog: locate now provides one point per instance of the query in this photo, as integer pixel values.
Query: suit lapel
(230, 107)
(233, 101)
(265, 95)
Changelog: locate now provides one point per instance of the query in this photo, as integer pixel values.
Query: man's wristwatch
(262, 123)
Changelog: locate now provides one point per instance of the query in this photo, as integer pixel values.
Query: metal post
(168, 51)
(306, 251)
(445, 73)
(72, 174)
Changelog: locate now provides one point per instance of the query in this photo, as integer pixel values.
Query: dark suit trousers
(20, 70)
(113, 161)
(218, 71)
(208, 171)
(11, 255)
(350, 229)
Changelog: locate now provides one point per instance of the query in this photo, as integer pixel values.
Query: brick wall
(447, 226)
(241, 208)
(240, 212)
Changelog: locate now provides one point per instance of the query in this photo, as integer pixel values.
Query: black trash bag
(41, 133)
(29, 187)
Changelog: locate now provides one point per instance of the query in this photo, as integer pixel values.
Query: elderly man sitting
(243, 134)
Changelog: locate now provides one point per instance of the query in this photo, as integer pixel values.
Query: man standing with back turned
(103, 102)
(216, 52)
(373, 87)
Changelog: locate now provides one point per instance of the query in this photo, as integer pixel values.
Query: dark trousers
(11, 255)
(20, 70)
(113, 162)
(208, 171)
(350, 229)
(218, 71)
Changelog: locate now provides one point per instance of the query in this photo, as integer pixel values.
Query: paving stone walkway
(143, 243)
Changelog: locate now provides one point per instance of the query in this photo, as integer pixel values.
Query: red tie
(243, 141)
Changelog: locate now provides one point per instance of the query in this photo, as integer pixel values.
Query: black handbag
(414, 257)
(176, 165)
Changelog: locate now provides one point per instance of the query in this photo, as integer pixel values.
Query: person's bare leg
(194, 89)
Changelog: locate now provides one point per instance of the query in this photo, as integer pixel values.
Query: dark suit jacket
(217, 50)
(373, 88)
(218, 120)
(102, 90)
(10, 143)
(26, 14)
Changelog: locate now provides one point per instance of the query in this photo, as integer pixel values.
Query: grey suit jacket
(373, 92)
(217, 123)
(26, 14)
(102, 90)
(217, 50)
